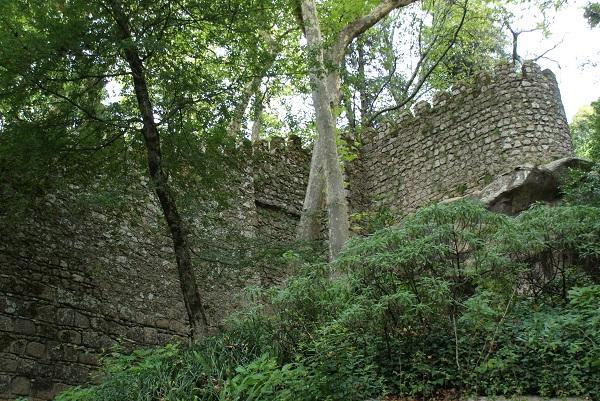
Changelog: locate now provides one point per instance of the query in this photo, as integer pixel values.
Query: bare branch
(543, 55)
(362, 24)
(424, 78)
(89, 114)
(103, 145)
(385, 84)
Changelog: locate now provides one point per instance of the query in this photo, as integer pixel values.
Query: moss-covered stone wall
(469, 136)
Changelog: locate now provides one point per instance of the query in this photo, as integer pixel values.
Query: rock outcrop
(515, 191)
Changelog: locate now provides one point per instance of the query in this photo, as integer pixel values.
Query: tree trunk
(257, 116)
(364, 102)
(187, 280)
(309, 228)
(240, 109)
(348, 105)
(326, 86)
(337, 206)
(253, 87)
(515, 46)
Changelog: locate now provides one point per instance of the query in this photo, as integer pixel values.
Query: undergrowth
(454, 298)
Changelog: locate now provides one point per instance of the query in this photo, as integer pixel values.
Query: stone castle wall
(74, 282)
(468, 137)
(280, 183)
(72, 286)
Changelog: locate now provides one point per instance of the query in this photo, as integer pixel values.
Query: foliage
(60, 124)
(447, 279)
(442, 43)
(335, 15)
(585, 131)
(479, 43)
(582, 187)
(165, 373)
(592, 13)
(551, 352)
(264, 380)
(431, 46)
(368, 222)
(455, 297)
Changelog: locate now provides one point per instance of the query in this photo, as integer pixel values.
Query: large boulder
(515, 191)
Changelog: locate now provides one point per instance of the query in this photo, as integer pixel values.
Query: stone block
(4, 384)
(88, 358)
(69, 336)
(162, 323)
(46, 313)
(20, 385)
(9, 363)
(150, 335)
(6, 324)
(42, 388)
(178, 327)
(47, 330)
(36, 350)
(24, 326)
(135, 333)
(96, 340)
(69, 353)
(65, 316)
(17, 346)
(54, 349)
(59, 387)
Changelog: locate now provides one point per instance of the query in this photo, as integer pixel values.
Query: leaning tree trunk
(337, 206)
(253, 87)
(187, 280)
(364, 97)
(257, 112)
(330, 79)
(237, 118)
(309, 228)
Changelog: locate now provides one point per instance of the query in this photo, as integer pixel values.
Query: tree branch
(89, 114)
(428, 73)
(362, 24)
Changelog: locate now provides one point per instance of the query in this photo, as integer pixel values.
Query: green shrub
(264, 380)
(582, 187)
(455, 280)
(455, 297)
(550, 352)
(165, 373)
(342, 363)
(370, 221)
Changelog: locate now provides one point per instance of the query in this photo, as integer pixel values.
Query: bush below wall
(455, 300)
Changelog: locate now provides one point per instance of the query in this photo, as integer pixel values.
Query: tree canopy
(585, 131)
(59, 59)
(592, 13)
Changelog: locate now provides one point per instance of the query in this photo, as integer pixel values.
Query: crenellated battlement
(291, 144)
(530, 74)
(467, 135)
(280, 173)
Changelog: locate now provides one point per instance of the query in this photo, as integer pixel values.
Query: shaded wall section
(76, 281)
